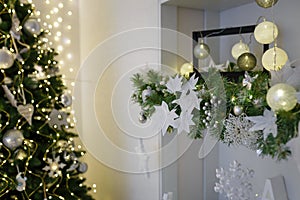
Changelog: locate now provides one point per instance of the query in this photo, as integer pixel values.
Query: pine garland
(248, 92)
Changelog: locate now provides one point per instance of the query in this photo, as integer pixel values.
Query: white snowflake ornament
(237, 131)
(54, 166)
(235, 183)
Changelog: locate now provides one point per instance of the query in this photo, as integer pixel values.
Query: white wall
(286, 16)
(98, 21)
(192, 178)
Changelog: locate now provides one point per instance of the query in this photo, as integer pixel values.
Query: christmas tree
(38, 156)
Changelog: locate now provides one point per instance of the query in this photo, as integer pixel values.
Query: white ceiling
(217, 5)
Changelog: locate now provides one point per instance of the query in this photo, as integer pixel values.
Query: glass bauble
(66, 100)
(12, 139)
(266, 3)
(238, 49)
(238, 110)
(201, 50)
(32, 26)
(265, 32)
(246, 61)
(186, 69)
(6, 58)
(274, 59)
(142, 117)
(83, 167)
(282, 97)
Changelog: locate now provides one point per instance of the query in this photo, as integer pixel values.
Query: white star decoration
(174, 84)
(190, 84)
(54, 167)
(185, 121)
(265, 123)
(170, 117)
(188, 101)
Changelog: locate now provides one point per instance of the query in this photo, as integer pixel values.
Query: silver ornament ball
(146, 93)
(12, 139)
(238, 110)
(201, 50)
(66, 100)
(6, 58)
(32, 26)
(83, 167)
(142, 118)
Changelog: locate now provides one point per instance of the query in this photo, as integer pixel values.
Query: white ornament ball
(12, 139)
(6, 58)
(186, 69)
(274, 59)
(32, 26)
(238, 49)
(265, 32)
(201, 50)
(282, 97)
(238, 110)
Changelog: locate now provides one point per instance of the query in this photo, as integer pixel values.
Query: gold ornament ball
(266, 3)
(6, 58)
(265, 32)
(186, 69)
(282, 97)
(246, 61)
(238, 49)
(274, 59)
(201, 51)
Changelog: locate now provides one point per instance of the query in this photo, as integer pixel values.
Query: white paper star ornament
(190, 84)
(188, 101)
(174, 84)
(265, 123)
(185, 121)
(169, 117)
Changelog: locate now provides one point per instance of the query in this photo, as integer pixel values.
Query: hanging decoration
(32, 26)
(246, 61)
(238, 49)
(186, 69)
(201, 50)
(282, 97)
(26, 111)
(266, 3)
(234, 183)
(251, 120)
(266, 32)
(274, 59)
(6, 58)
(54, 167)
(13, 139)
